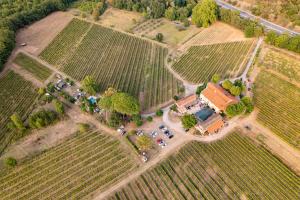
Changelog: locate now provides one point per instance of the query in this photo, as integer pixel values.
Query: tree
(248, 104)
(282, 41)
(105, 103)
(149, 119)
(125, 104)
(170, 14)
(271, 37)
(115, 120)
(159, 37)
(89, 85)
(144, 143)
(182, 13)
(159, 113)
(41, 91)
(188, 121)
(17, 121)
(227, 84)
(200, 88)
(11, 162)
(235, 90)
(235, 109)
(59, 107)
(157, 9)
(205, 13)
(137, 119)
(215, 78)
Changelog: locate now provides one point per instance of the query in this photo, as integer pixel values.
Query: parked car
(168, 134)
(139, 132)
(161, 142)
(161, 127)
(144, 157)
(154, 134)
(121, 130)
(24, 44)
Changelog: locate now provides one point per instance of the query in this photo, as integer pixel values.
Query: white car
(154, 134)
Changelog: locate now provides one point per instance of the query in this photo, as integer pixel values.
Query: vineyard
(116, 59)
(16, 96)
(286, 65)
(233, 168)
(278, 103)
(201, 62)
(37, 69)
(66, 41)
(72, 170)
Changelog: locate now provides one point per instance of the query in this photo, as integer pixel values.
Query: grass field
(284, 64)
(233, 168)
(115, 59)
(278, 103)
(72, 170)
(201, 62)
(40, 71)
(16, 96)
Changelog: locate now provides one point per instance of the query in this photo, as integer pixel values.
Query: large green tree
(144, 143)
(89, 85)
(17, 121)
(188, 121)
(205, 13)
(125, 104)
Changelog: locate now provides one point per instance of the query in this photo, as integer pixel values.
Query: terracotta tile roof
(218, 96)
(212, 124)
(215, 126)
(187, 100)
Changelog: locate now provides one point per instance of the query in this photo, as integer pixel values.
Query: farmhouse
(184, 105)
(211, 125)
(217, 98)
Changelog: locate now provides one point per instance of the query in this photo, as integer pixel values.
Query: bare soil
(120, 19)
(217, 33)
(41, 33)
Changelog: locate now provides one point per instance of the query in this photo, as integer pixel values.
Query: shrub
(159, 37)
(42, 118)
(176, 98)
(17, 121)
(83, 128)
(59, 107)
(149, 119)
(201, 88)
(235, 109)
(137, 119)
(227, 84)
(11, 162)
(248, 104)
(159, 113)
(174, 108)
(115, 120)
(235, 90)
(215, 78)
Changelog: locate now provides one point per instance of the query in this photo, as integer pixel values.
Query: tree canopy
(235, 109)
(227, 84)
(215, 78)
(89, 85)
(120, 102)
(144, 143)
(188, 121)
(205, 13)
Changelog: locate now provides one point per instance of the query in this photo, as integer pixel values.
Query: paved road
(267, 24)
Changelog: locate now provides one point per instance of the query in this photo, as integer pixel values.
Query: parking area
(162, 136)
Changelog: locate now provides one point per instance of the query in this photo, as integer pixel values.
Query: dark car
(168, 134)
(161, 127)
